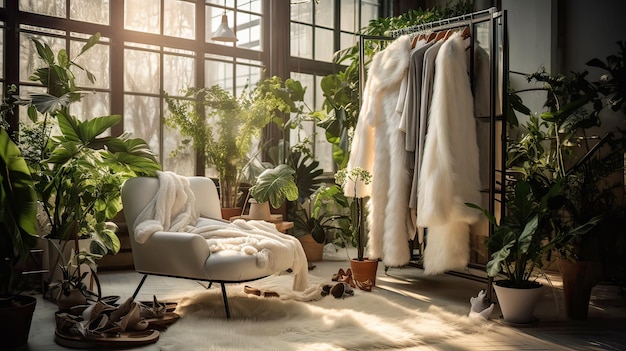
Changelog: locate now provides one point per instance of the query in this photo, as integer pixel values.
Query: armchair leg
(143, 279)
(225, 301)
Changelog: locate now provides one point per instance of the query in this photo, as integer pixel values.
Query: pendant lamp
(223, 32)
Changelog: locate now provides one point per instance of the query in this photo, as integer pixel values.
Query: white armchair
(185, 255)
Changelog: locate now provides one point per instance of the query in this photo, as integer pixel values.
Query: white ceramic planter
(260, 210)
(517, 305)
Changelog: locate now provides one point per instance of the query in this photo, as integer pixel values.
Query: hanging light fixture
(223, 32)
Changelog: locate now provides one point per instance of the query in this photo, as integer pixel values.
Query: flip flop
(113, 341)
(156, 314)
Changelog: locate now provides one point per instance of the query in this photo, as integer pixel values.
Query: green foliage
(517, 245)
(18, 211)
(275, 185)
(223, 127)
(79, 172)
(327, 217)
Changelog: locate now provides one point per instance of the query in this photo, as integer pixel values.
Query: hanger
(441, 35)
(466, 33)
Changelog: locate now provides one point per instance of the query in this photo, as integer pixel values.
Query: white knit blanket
(172, 210)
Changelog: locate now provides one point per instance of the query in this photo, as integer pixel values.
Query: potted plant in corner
(363, 269)
(17, 237)
(518, 248)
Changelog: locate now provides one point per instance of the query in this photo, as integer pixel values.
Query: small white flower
(604, 78)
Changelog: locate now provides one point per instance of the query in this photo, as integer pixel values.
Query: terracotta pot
(579, 278)
(517, 304)
(228, 212)
(15, 322)
(313, 250)
(364, 270)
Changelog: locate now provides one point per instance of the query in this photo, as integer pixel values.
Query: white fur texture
(364, 321)
(377, 147)
(449, 175)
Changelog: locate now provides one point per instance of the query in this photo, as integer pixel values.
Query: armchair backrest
(138, 192)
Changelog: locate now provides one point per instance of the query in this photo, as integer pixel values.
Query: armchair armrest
(172, 253)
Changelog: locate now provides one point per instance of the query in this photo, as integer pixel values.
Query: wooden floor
(604, 330)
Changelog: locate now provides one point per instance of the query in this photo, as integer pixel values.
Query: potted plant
(549, 151)
(326, 217)
(78, 172)
(222, 127)
(363, 269)
(273, 187)
(518, 248)
(17, 237)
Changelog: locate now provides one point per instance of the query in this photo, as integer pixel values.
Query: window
(150, 48)
(318, 29)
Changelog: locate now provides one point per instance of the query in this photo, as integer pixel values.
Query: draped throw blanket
(449, 175)
(172, 209)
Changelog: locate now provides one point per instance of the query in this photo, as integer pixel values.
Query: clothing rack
(498, 77)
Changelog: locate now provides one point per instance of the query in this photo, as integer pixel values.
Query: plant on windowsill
(223, 127)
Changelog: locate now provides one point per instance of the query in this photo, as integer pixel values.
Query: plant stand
(579, 278)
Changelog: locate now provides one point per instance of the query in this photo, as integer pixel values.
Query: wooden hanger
(466, 33)
(441, 35)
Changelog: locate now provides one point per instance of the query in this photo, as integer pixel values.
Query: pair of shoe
(339, 290)
(101, 325)
(344, 276)
(254, 291)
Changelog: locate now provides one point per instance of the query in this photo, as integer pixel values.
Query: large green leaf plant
(77, 167)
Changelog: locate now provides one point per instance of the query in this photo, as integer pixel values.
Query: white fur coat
(449, 175)
(378, 146)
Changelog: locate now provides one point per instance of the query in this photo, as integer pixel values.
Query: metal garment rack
(498, 78)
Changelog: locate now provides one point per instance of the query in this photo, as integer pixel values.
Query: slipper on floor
(254, 291)
(113, 341)
(157, 315)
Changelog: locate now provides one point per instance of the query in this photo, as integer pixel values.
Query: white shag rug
(307, 321)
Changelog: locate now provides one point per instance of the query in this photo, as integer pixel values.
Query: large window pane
(141, 71)
(369, 11)
(349, 13)
(55, 8)
(325, 13)
(96, 60)
(29, 60)
(323, 51)
(248, 31)
(302, 12)
(141, 117)
(142, 15)
(178, 73)
(179, 19)
(219, 73)
(92, 11)
(92, 105)
(301, 41)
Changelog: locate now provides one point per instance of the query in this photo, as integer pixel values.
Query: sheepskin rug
(308, 321)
